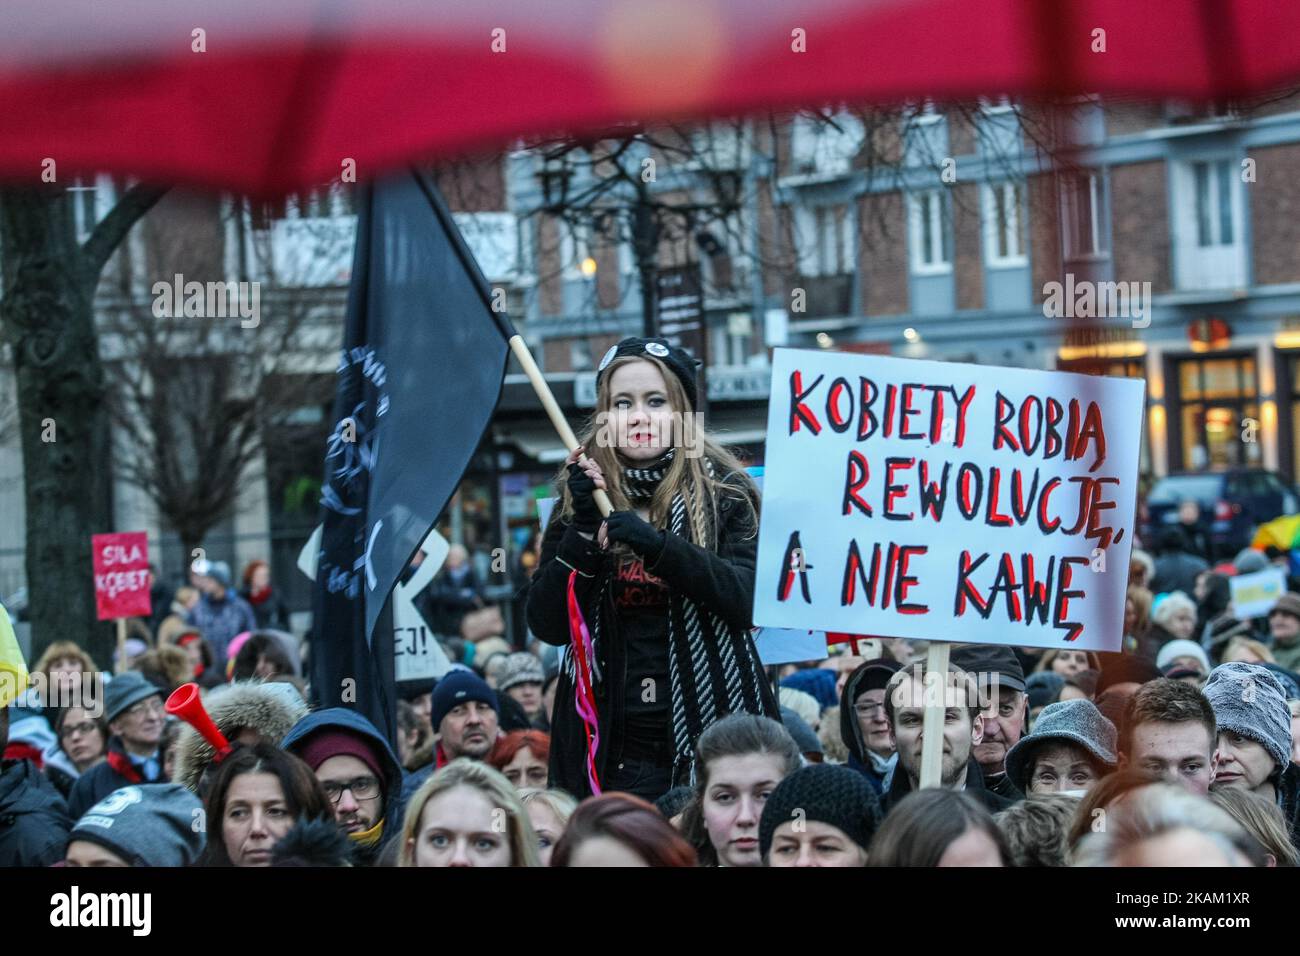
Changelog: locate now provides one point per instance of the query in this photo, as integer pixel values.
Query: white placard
(777, 645)
(1253, 595)
(416, 652)
(942, 501)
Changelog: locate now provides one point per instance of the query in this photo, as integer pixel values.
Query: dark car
(1233, 504)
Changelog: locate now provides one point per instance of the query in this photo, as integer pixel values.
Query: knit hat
(155, 824)
(1249, 700)
(678, 360)
(985, 660)
(1043, 687)
(124, 691)
(828, 794)
(1288, 603)
(1069, 721)
(1248, 561)
(1182, 648)
(335, 742)
(818, 682)
(802, 733)
(521, 668)
(457, 688)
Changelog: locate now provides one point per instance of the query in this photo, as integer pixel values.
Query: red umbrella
(267, 96)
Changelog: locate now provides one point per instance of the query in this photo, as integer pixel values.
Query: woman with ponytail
(654, 602)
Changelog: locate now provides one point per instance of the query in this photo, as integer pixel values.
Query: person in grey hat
(1072, 747)
(133, 708)
(1255, 736)
(1284, 626)
(809, 744)
(221, 614)
(159, 824)
(1001, 682)
(522, 678)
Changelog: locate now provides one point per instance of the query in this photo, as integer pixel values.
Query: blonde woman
(549, 812)
(658, 596)
(1068, 662)
(467, 814)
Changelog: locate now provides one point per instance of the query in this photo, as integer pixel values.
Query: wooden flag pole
(936, 662)
(525, 357)
(121, 646)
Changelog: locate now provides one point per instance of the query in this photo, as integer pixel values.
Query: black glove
(632, 530)
(582, 488)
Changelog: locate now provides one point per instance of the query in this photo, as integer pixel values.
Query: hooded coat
(271, 709)
(34, 820)
(340, 718)
(864, 762)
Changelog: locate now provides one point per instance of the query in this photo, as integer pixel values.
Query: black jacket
(1288, 792)
(34, 820)
(901, 786)
(720, 580)
(103, 778)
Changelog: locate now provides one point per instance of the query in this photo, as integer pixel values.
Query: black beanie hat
(679, 361)
(828, 794)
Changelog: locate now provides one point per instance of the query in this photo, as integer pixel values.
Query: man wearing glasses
(358, 770)
(863, 725)
(134, 710)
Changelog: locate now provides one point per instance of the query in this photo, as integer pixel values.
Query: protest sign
(777, 645)
(1253, 595)
(947, 502)
(121, 575)
(416, 652)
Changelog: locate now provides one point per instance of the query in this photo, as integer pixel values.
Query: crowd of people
(637, 726)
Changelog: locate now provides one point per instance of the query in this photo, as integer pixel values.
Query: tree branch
(112, 229)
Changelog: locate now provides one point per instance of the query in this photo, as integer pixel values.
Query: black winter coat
(722, 580)
(101, 780)
(34, 820)
(901, 786)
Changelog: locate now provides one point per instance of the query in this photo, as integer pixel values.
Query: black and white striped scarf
(713, 669)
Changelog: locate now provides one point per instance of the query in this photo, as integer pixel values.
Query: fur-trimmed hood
(271, 709)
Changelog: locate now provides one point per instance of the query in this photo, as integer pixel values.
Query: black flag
(419, 375)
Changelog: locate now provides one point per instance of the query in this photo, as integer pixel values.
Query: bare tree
(49, 278)
(203, 368)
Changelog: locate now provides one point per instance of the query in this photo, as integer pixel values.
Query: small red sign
(121, 575)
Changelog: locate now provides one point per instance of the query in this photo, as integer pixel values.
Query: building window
(731, 341)
(575, 247)
(1209, 252)
(1003, 232)
(1213, 203)
(84, 196)
(580, 355)
(931, 251)
(1215, 397)
(1083, 200)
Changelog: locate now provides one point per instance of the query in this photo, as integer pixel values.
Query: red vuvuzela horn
(185, 704)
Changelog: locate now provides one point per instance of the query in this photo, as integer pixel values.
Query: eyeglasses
(868, 709)
(146, 708)
(85, 727)
(363, 788)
